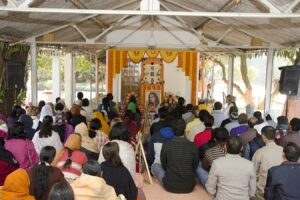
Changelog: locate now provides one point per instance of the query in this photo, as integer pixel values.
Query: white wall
(176, 81)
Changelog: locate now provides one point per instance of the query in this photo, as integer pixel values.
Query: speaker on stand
(289, 82)
(14, 76)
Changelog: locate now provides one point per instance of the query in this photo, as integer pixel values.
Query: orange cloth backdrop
(187, 60)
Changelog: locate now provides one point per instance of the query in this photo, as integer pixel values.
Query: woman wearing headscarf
(88, 146)
(70, 159)
(105, 127)
(46, 111)
(16, 186)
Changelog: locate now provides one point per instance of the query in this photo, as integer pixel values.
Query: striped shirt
(214, 153)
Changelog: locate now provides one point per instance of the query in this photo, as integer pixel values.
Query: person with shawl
(16, 186)
(70, 159)
(90, 185)
(46, 111)
(25, 152)
(88, 146)
(8, 163)
(105, 127)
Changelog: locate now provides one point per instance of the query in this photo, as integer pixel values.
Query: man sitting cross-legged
(179, 161)
(232, 177)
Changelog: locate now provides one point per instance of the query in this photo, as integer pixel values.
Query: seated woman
(88, 146)
(43, 176)
(8, 163)
(99, 137)
(46, 136)
(25, 154)
(105, 127)
(77, 118)
(62, 191)
(16, 186)
(70, 159)
(116, 174)
(91, 186)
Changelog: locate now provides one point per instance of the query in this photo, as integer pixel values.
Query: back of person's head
(201, 101)
(178, 127)
(119, 132)
(162, 113)
(61, 191)
(85, 102)
(233, 109)
(16, 131)
(220, 134)
(268, 132)
(41, 105)
(252, 122)
(40, 177)
(95, 124)
(110, 153)
(189, 107)
(47, 154)
(282, 120)
(109, 96)
(92, 167)
(203, 114)
(209, 121)
(46, 127)
(132, 99)
(218, 105)
(258, 115)
(79, 95)
(68, 116)
(59, 107)
(181, 101)
(234, 144)
(20, 112)
(296, 125)
(243, 118)
(293, 121)
(105, 101)
(75, 109)
(57, 99)
(291, 152)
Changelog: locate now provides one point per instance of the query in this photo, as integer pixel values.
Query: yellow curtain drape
(136, 56)
(168, 55)
(152, 53)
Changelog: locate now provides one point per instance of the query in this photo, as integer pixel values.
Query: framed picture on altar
(152, 99)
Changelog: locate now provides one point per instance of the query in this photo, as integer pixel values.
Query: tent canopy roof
(277, 27)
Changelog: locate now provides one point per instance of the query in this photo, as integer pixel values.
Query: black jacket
(120, 179)
(180, 159)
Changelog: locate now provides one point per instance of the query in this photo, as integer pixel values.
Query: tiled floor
(156, 192)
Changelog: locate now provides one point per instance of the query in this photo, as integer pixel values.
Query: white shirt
(219, 116)
(53, 140)
(258, 127)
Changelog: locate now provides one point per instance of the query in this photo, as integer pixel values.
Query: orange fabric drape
(110, 71)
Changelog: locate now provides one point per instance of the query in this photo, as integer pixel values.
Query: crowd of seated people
(52, 152)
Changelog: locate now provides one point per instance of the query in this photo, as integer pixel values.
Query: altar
(151, 74)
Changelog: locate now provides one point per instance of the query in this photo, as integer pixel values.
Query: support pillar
(56, 82)
(230, 75)
(268, 86)
(33, 74)
(97, 79)
(69, 79)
